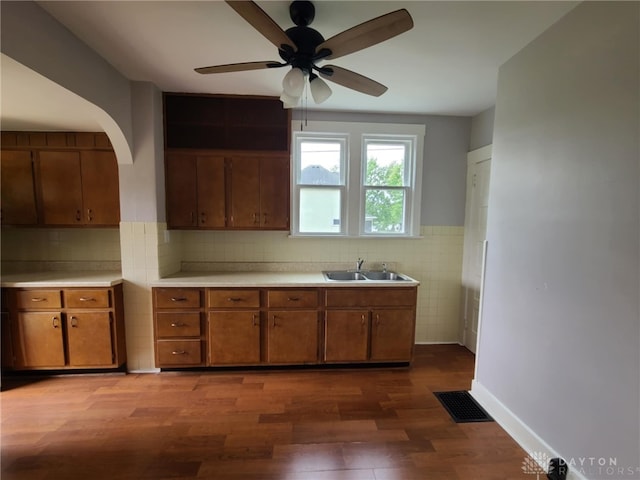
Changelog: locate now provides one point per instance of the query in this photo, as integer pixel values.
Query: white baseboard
(531, 443)
(150, 370)
(438, 343)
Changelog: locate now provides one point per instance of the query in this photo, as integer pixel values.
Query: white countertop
(268, 279)
(62, 279)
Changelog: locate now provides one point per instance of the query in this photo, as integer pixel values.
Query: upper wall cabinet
(227, 162)
(59, 179)
(215, 122)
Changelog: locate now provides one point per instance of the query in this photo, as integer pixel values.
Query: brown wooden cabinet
(234, 326)
(18, 203)
(59, 179)
(227, 162)
(78, 188)
(178, 328)
(379, 324)
(195, 191)
(259, 192)
(70, 328)
(292, 326)
(227, 191)
(283, 326)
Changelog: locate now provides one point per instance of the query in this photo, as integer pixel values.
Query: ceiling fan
(302, 48)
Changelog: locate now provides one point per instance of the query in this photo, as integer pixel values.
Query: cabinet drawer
(234, 298)
(86, 298)
(179, 353)
(177, 297)
(370, 297)
(178, 324)
(38, 299)
(292, 298)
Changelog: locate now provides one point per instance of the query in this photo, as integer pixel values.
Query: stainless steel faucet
(359, 264)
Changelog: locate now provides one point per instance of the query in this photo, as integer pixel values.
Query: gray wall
(35, 39)
(482, 129)
(444, 171)
(559, 344)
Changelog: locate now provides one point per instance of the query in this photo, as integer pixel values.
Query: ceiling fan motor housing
(302, 12)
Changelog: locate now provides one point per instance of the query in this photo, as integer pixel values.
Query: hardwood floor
(370, 424)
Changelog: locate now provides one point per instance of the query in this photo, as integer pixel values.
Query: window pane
(384, 211)
(320, 163)
(320, 210)
(385, 164)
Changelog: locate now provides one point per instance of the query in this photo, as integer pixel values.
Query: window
(320, 186)
(363, 181)
(387, 185)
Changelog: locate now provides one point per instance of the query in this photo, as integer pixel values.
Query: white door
(475, 234)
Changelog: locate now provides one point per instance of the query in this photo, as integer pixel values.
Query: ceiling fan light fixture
(320, 91)
(293, 82)
(289, 101)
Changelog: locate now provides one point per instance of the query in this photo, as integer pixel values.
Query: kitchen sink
(383, 276)
(346, 275)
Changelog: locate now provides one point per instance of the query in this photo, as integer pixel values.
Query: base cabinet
(282, 326)
(70, 328)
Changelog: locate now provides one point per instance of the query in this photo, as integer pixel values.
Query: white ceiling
(446, 65)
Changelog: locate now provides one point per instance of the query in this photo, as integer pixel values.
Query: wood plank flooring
(369, 424)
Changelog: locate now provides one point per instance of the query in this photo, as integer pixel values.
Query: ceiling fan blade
(367, 34)
(262, 22)
(238, 67)
(352, 80)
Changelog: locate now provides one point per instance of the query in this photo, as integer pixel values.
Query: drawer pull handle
(74, 322)
(54, 322)
(234, 299)
(178, 352)
(178, 324)
(39, 299)
(87, 299)
(178, 299)
(294, 299)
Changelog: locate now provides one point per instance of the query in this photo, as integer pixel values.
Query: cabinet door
(38, 341)
(234, 338)
(346, 336)
(89, 336)
(181, 190)
(100, 189)
(292, 337)
(274, 193)
(18, 203)
(392, 334)
(245, 192)
(211, 191)
(61, 187)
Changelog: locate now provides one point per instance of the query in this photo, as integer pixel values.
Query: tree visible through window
(385, 187)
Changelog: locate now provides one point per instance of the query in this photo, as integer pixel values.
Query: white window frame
(343, 140)
(355, 133)
(408, 181)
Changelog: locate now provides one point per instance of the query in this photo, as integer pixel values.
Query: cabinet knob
(55, 322)
(78, 215)
(89, 215)
(255, 320)
(74, 322)
(203, 218)
(256, 218)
